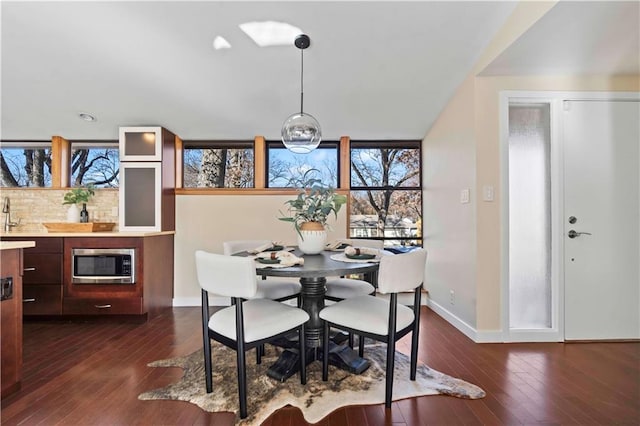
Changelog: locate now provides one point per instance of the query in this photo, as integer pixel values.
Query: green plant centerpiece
(77, 196)
(311, 208)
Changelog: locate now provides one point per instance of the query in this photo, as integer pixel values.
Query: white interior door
(601, 191)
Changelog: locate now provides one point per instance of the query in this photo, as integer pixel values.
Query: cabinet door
(140, 143)
(140, 197)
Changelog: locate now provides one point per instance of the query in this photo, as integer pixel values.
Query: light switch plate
(487, 193)
(464, 196)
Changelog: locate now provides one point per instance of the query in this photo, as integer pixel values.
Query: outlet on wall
(452, 297)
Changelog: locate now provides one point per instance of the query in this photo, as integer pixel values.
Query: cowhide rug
(316, 399)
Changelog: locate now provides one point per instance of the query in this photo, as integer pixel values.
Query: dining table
(313, 278)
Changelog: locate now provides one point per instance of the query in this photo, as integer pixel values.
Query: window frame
(398, 144)
(333, 144)
(91, 144)
(34, 144)
(213, 144)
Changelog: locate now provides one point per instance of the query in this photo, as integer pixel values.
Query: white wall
(462, 150)
(449, 225)
(203, 222)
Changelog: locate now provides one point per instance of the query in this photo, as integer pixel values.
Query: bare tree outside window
(218, 167)
(286, 167)
(25, 167)
(386, 199)
(98, 166)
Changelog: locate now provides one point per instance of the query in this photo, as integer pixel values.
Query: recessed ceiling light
(87, 117)
(270, 33)
(221, 43)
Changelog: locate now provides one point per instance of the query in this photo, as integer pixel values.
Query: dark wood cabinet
(48, 290)
(42, 279)
(11, 323)
(148, 296)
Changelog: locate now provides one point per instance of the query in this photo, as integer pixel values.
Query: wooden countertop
(38, 234)
(8, 245)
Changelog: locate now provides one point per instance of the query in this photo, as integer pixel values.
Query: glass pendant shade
(301, 133)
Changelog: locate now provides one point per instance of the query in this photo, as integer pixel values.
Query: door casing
(555, 99)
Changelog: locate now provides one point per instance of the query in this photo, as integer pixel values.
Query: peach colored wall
(449, 226)
(203, 222)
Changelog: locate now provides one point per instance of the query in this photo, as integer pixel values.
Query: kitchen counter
(35, 234)
(9, 245)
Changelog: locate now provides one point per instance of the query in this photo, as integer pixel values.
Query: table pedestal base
(340, 356)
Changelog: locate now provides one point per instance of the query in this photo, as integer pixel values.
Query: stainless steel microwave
(103, 266)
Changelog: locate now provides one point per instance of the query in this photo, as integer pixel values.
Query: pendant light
(301, 132)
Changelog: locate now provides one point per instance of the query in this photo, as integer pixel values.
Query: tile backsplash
(35, 206)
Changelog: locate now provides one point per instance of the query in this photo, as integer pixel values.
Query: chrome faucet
(6, 209)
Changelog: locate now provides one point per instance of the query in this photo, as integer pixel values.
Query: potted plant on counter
(310, 210)
(75, 197)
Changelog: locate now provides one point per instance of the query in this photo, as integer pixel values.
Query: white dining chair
(340, 288)
(249, 323)
(345, 288)
(268, 288)
(379, 319)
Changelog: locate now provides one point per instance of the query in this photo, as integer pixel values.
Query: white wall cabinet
(141, 143)
(147, 185)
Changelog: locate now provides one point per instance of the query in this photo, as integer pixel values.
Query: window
(25, 164)
(284, 166)
(218, 164)
(386, 193)
(530, 216)
(95, 163)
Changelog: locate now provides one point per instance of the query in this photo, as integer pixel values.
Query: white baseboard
(469, 331)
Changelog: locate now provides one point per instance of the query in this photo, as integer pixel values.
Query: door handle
(574, 234)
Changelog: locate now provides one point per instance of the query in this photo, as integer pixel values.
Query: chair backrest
(402, 272)
(230, 276)
(377, 244)
(235, 246)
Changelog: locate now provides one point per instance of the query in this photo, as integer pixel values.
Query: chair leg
(351, 340)
(206, 340)
(391, 352)
(207, 363)
(325, 351)
(415, 334)
(242, 380)
(361, 346)
(303, 355)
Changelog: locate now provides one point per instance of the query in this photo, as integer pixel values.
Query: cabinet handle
(29, 269)
(28, 300)
(102, 306)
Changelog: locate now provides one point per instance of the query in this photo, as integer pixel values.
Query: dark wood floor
(92, 373)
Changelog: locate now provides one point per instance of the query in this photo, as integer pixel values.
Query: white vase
(73, 214)
(313, 239)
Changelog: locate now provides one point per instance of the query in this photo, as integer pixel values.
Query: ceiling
(375, 70)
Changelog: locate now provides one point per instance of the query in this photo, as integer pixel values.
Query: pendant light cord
(301, 80)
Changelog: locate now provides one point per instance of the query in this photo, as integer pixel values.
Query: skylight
(221, 43)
